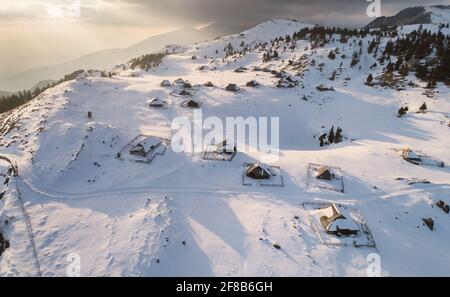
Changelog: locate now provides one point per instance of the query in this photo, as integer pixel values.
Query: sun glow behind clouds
(49, 9)
(36, 33)
(55, 12)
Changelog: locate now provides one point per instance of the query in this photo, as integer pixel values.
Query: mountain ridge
(434, 14)
(108, 58)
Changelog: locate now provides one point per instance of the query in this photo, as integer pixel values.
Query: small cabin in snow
(179, 81)
(192, 104)
(186, 85)
(334, 222)
(145, 147)
(155, 102)
(259, 171)
(324, 172)
(240, 70)
(184, 93)
(410, 155)
(252, 83)
(165, 83)
(224, 148)
(232, 88)
(202, 68)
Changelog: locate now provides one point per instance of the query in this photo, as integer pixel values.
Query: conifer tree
(423, 107)
(404, 70)
(331, 135)
(338, 136)
(332, 55)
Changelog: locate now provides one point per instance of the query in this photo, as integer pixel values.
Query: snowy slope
(434, 14)
(182, 215)
(439, 14)
(105, 59)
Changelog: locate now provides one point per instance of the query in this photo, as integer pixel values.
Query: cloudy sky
(42, 32)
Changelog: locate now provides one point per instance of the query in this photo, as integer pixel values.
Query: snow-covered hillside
(432, 14)
(183, 215)
(439, 14)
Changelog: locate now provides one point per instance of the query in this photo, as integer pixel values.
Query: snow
(201, 219)
(439, 15)
(342, 223)
(155, 102)
(147, 145)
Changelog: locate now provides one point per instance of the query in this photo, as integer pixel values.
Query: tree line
(12, 101)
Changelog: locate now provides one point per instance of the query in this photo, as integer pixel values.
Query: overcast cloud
(189, 12)
(339, 12)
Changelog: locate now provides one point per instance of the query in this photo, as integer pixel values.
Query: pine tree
(423, 107)
(338, 136)
(355, 59)
(390, 67)
(369, 79)
(403, 70)
(332, 55)
(331, 135)
(402, 111)
(431, 84)
(398, 64)
(322, 139)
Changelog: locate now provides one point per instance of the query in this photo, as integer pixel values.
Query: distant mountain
(437, 14)
(42, 84)
(106, 59)
(3, 93)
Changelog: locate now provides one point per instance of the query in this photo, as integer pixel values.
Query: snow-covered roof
(146, 145)
(342, 224)
(202, 67)
(409, 154)
(224, 146)
(232, 87)
(165, 83)
(262, 166)
(332, 218)
(192, 103)
(155, 101)
(253, 83)
(240, 69)
(184, 93)
(322, 169)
